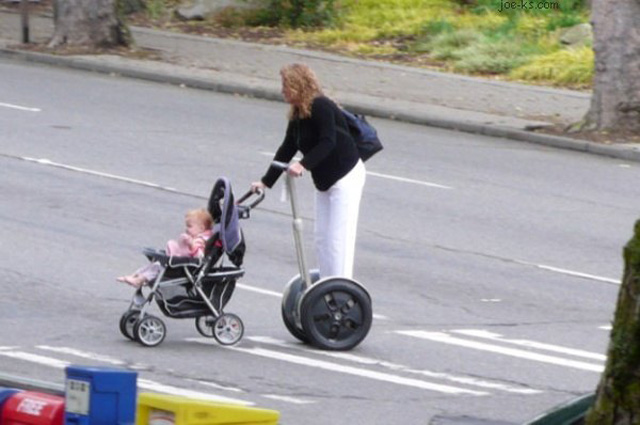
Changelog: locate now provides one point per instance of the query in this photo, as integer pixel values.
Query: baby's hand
(185, 239)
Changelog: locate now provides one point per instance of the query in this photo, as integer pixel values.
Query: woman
(318, 130)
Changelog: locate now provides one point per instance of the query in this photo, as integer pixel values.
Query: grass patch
(568, 67)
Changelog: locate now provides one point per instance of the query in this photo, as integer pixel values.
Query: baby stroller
(196, 288)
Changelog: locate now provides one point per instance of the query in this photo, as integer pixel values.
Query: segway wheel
(150, 331)
(336, 314)
(228, 329)
(127, 323)
(205, 325)
(290, 300)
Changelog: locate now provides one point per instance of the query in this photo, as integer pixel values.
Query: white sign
(77, 397)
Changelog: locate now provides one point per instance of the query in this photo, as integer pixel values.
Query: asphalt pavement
(463, 103)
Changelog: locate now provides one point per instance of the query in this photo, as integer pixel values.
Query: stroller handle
(260, 197)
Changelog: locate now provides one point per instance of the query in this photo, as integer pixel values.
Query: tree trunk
(93, 23)
(615, 103)
(618, 395)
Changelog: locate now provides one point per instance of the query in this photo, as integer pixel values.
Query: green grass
(466, 36)
(568, 67)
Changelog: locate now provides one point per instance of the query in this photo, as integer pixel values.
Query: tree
(618, 395)
(92, 23)
(615, 104)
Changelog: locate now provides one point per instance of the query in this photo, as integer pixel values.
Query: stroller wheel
(205, 325)
(336, 314)
(228, 329)
(127, 323)
(150, 331)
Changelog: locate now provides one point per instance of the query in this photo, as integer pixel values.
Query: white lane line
(34, 358)
(44, 161)
(83, 354)
(259, 290)
(183, 392)
(407, 180)
(142, 383)
(20, 108)
(279, 295)
(448, 339)
(8, 348)
(531, 344)
(578, 274)
(287, 399)
(605, 327)
(399, 368)
(388, 176)
(217, 386)
(334, 367)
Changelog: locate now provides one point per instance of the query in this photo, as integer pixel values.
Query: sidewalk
(414, 95)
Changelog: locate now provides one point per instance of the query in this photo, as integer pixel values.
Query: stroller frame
(197, 288)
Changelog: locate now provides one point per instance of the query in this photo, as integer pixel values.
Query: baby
(191, 243)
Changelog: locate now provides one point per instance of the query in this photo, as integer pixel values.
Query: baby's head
(197, 221)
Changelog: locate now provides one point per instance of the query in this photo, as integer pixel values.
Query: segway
(332, 313)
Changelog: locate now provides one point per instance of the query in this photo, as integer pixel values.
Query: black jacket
(329, 154)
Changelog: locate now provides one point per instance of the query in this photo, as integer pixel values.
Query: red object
(32, 408)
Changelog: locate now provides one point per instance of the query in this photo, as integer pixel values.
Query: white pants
(336, 223)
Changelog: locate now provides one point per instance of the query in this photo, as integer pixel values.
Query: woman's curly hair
(303, 83)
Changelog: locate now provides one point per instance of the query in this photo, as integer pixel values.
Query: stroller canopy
(224, 211)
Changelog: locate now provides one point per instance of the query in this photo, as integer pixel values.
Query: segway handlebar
(280, 165)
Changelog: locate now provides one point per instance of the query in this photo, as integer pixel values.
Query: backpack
(363, 134)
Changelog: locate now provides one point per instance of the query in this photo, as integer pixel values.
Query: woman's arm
(285, 153)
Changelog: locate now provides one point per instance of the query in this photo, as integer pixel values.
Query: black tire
(336, 314)
(228, 329)
(289, 308)
(128, 322)
(150, 331)
(287, 318)
(205, 325)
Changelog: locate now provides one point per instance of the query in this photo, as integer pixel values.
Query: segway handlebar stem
(297, 224)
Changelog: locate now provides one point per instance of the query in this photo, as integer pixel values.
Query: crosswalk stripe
(142, 383)
(531, 344)
(448, 339)
(334, 367)
(400, 368)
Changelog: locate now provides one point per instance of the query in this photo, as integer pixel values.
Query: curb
(629, 153)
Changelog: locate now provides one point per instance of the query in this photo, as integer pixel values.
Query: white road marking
(334, 367)
(448, 339)
(83, 354)
(44, 161)
(279, 295)
(387, 176)
(183, 392)
(34, 358)
(20, 108)
(259, 290)
(398, 368)
(578, 274)
(287, 399)
(216, 386)
(142, 383)
(531, 344)
(605, 327)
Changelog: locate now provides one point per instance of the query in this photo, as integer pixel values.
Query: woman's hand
(295, 169)
(257, 186)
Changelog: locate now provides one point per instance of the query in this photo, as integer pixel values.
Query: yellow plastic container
(159, 409)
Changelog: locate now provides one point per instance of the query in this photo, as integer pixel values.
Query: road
(493, 265)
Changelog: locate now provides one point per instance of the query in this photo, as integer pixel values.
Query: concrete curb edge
(620, 152)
